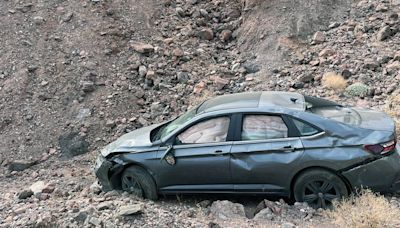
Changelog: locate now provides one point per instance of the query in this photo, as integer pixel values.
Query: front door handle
(218, 151)
(287, 149)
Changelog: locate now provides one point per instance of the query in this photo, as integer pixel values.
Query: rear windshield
(338, 113)
(332, 110)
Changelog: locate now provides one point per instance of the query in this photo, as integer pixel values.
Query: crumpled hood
(130, 141)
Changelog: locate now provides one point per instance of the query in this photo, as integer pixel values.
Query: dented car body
(277, 143)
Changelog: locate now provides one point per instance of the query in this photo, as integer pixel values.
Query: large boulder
(225, 210)
(72, 144)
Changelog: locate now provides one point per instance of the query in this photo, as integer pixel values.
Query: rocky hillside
(75, 75)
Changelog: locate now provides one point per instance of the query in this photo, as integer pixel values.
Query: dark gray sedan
(276, 143)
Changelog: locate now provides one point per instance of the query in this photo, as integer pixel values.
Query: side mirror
(168, 155)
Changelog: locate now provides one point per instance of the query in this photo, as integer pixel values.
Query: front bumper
(102, 171)
(381, 175)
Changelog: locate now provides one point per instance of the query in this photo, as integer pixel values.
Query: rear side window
(259, 127)
(305, 129)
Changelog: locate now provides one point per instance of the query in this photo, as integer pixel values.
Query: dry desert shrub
(366, 209)
(334, 81)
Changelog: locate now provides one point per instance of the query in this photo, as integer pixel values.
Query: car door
(264, 154)
(201, 158)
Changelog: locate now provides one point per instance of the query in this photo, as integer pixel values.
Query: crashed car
(274, 143)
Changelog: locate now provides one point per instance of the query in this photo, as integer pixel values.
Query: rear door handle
(219, 152)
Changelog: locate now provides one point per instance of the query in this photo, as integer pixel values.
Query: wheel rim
(320, 193)
(131, 185)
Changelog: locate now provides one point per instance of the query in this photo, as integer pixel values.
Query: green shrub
(357, 90)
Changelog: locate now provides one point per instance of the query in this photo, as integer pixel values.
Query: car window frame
(229, 137)
(293, 132)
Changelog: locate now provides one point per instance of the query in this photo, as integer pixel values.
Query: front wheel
(319, 188)
(138, 181)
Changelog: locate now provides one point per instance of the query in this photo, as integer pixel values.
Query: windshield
(175, 124)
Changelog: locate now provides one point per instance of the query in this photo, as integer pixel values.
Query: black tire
(138, 181)
(319, 188)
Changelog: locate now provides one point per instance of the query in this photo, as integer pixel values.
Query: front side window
(260, 127)
(175, 124)
(208, 131)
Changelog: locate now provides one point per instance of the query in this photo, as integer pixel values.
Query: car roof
(262, 99)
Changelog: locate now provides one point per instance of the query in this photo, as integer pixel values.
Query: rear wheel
(319, 188)
(138, 181)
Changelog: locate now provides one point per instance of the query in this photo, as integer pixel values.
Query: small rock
(131, 209)
(381, 8)
(396, 56)
(346, 74)
(225, 35)
(143, 48)
(142, 71)
(95, 221)
(203, 13)
(334, 25)
(87, 86)
(81, 217)
(150, 74)
(37, 187)
(180, 12)
(251, 67)
(20, 165)
(225, 210)
(264, 214)
(104, 206)
(183, 77)
(370, 64)
(205, 203)
(95, 188)
(49, 188)
(220, 83)
(110, 123)
(384, 33)
(314, 63)
(198, 88)
(25, 194)
(326, 52)
(288, 225)
(305, 78)
(67, 17)
(298, 85)
(319, 37)
(38, 20)
(178, 52)
(206, 34)
(32, 68)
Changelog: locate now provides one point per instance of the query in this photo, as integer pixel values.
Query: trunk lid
(375, 120)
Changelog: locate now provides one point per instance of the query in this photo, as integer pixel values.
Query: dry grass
(393, 109)
(198, 99)
(365, 210)
(334, 81)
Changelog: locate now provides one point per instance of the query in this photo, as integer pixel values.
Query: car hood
(131, 142)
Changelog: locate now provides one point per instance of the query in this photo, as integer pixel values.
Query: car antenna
(293, 99)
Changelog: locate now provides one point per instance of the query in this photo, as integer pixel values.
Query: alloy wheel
(320, 193)
(131, 185)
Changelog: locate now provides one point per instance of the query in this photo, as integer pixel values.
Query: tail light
(382, 148)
